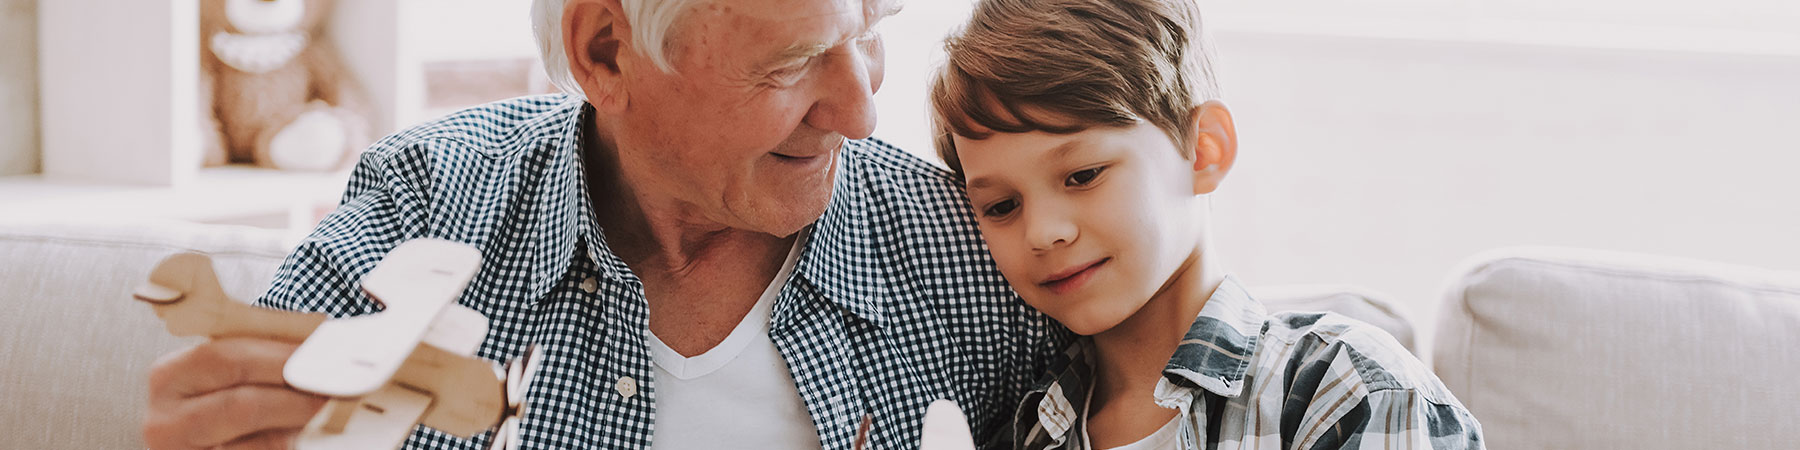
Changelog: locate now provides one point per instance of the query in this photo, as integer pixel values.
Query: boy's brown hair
(1062, 66)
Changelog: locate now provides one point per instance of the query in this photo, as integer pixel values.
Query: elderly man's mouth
(803, 158)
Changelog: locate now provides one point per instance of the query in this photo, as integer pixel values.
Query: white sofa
(1561, 348)
(76, 346)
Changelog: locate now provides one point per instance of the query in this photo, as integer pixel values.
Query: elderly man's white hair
(650, 22)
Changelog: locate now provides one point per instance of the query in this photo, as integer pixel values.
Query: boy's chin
(1089, 319)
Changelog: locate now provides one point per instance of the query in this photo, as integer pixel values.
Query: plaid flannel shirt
(1244, 379)
(894, 301)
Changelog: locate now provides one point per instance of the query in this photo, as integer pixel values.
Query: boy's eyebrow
(1061, 151)
(980, 183)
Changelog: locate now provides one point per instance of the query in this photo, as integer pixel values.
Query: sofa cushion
(78, 347)
(1350, 301)
(1564, 348)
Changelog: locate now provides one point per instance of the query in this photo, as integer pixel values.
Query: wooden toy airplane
(412, 363)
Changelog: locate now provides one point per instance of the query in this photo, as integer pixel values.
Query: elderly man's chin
(793, 191)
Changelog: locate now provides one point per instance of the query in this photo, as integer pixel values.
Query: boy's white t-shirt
(1164, 438)
(739, 394)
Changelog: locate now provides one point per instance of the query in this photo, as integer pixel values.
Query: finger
(266, 440)
(232, 414)
(945, 428)
(862, 431)
(216, 365)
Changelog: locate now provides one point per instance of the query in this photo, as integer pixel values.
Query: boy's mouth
(1072, 278)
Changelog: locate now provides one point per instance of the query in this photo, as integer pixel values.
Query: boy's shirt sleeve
(1356, 388)
(1402, 418)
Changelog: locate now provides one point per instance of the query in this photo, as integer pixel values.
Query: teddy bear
(274, 91)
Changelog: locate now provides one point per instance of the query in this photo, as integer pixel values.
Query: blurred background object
(18, 87)
(272, 93)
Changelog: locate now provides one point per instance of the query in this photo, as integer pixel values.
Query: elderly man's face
(747, 131)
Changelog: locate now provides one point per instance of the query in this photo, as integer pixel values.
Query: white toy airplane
(412, 363)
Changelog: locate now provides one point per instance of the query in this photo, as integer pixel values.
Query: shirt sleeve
(1402, 419)
(377, 213)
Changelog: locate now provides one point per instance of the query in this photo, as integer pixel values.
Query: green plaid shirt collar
(1214, 355)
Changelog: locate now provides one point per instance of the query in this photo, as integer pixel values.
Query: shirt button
(627, 387)
(590, 286)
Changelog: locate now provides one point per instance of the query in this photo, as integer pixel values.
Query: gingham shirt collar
(830, 250)
(589, 232)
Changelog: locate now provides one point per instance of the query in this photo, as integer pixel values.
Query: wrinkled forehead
(798, 10)
(791, 19)
(757, 33)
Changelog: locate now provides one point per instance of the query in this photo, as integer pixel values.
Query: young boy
(1089, 134)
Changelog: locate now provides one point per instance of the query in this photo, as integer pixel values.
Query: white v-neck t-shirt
(739, 394)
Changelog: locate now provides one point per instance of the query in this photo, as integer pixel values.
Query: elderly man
(700, 235)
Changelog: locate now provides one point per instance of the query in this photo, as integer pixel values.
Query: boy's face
(1085, 226)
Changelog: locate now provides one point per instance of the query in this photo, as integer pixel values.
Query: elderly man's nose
(846, 103)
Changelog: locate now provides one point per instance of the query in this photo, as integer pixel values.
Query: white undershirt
(739, 394)
(1163, 439)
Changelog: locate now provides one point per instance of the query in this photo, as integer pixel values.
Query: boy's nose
(1049, 230)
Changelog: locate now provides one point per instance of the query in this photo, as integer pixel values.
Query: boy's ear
(1215, 145)
(594, 32)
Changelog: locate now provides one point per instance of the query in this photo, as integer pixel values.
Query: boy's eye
(1000, 208)
(1083, 177)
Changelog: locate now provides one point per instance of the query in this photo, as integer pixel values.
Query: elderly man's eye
(787, 75)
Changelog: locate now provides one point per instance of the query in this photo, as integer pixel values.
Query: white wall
(1385, 141)
(18, 87)
(1385, 162)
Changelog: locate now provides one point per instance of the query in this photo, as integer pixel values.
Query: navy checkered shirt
(894, 301)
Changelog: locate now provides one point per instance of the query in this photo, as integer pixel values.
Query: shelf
(223, 195)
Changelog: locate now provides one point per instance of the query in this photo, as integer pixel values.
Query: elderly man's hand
(226, 393)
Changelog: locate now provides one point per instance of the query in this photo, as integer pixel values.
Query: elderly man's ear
(594, 33)
(1215, 145)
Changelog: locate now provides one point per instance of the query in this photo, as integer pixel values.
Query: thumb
(945, 428)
